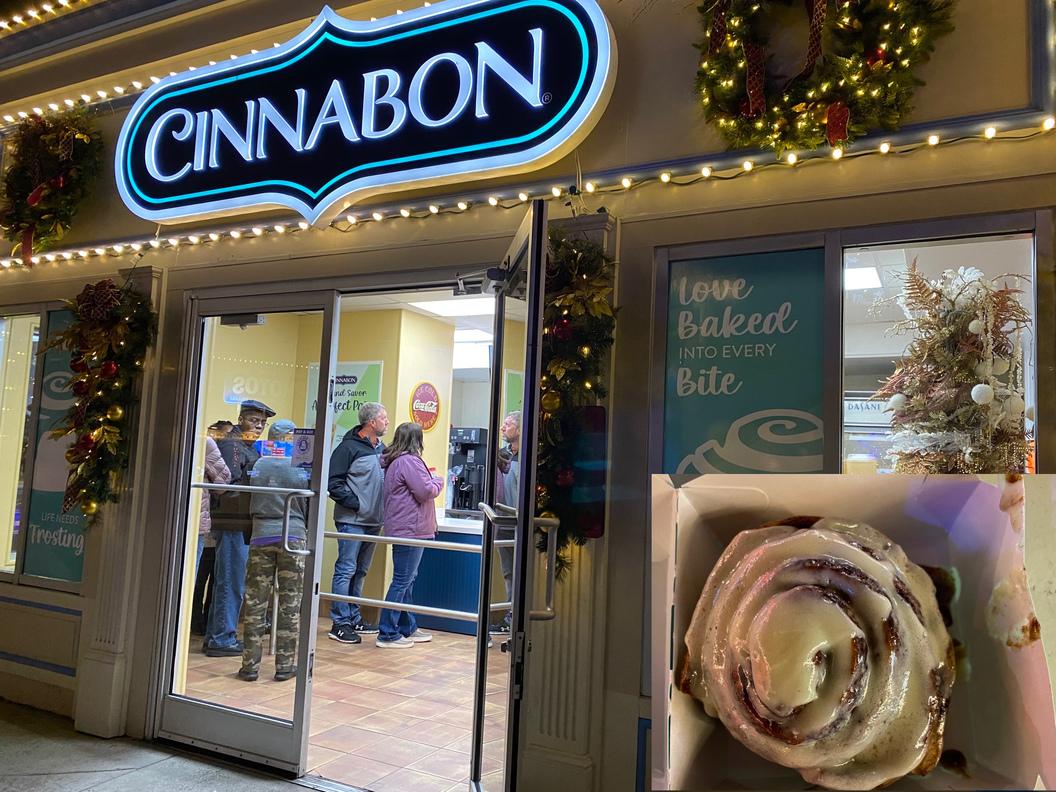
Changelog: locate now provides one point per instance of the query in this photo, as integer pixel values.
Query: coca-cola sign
(454, 90)
(425, 406)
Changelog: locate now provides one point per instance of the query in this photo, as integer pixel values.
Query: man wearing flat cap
(232, 525)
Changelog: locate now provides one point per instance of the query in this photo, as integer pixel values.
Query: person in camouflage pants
(269, 561)
(264, 561)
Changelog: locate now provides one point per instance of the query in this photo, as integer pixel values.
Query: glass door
(509, 507)
(241, 643)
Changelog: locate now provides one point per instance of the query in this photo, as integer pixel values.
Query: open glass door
(252, 477)
(509, 505)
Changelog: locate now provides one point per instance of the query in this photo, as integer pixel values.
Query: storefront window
(873, 281)
(19, 336)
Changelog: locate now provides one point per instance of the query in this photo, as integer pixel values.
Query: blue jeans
(352, 565)
(229, 574)
(394, 623)
(201, 547)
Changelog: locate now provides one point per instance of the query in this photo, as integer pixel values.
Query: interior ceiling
(993, 256)
(401, 301)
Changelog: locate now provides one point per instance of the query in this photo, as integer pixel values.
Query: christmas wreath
(858, 74)
(54, 158)
(109, 340)
(578, 327)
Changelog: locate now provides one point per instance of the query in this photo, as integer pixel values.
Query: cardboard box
(1000, 717)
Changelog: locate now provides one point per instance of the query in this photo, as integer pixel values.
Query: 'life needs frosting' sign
(745, 369)
(459, 89)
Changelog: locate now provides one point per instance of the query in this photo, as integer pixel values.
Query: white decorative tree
(957, 393)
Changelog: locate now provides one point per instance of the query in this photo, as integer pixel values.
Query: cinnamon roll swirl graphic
(768, 441)
(820, 647)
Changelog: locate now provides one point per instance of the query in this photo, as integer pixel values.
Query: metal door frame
(255, 737)
(529, 246)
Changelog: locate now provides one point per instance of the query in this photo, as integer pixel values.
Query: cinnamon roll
(820, 646)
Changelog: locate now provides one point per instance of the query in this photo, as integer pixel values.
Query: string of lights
(514, 197)
(33, 17)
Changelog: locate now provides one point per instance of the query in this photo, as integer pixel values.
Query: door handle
(286, 506)
(551, 524)
(500, 520)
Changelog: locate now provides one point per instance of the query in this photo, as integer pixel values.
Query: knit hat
(280, 429)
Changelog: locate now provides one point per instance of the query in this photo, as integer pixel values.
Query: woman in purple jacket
(409, 514)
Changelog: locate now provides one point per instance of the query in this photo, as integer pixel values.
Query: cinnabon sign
(425, 406)
(454, 91)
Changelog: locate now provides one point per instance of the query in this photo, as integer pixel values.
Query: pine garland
(957, 394)
(54, 158)
(114, 331)
(864, 81)
(578, 327)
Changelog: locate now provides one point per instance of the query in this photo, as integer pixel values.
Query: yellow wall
(512, 353)
(260, 362)
(426, 355)
(16, 355)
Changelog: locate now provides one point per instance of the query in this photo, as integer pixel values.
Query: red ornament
(108, 369)
(563, 331)
(839, 116)
(879, 56)
(85, 443)
(565, 478)
(79, 366)
(80, 388)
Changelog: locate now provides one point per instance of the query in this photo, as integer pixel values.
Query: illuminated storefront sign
(457, 90)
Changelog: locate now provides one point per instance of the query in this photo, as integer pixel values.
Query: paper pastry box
(1000, 717)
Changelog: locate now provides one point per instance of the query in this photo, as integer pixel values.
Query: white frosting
(790, 646)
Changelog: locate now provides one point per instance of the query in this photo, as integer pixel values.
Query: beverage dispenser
(468, 456)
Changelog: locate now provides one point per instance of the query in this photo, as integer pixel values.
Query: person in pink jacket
(216, 472)
(409, 492)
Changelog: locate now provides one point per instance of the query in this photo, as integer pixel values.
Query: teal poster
(744, 368)
(54, 541)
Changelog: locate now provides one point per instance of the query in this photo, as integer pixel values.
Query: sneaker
(502, 628)
(365, 628)
(344, 633)
(399, 643)
(282, 674)
(248, 676)
(420, 636)
(235, 650)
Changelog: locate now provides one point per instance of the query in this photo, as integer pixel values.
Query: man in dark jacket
(355, 485)
(231, 527)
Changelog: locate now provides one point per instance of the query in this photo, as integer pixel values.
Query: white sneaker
(419, 636)
(399, 643)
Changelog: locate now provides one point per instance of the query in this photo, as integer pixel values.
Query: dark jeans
(352, 565)
(506, 562)
(394, 623)
(203, 591)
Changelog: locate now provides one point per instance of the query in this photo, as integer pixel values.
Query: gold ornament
(89, 508)
(116, 412)
(547, 515)
(551, 401)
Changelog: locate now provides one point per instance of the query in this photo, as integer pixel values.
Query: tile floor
(386, 720)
